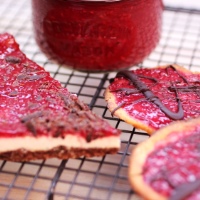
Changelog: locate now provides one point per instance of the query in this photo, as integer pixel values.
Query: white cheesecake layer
(47, 143)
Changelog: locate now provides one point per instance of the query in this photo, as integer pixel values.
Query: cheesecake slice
(40, 119)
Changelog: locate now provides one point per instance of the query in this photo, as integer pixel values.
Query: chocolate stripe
(184, 190)
(142, 87)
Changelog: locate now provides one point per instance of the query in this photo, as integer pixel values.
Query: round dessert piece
(166, 166)
(152, 98)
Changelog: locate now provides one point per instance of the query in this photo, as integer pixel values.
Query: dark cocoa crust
(60, 152)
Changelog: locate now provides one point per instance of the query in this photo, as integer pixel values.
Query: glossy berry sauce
(97, 35)
(175, 164)
(157, 96)
(32, 103)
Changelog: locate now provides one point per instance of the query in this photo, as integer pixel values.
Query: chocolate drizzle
(28, 121)
(184, 190)
(150, 96)
(172, 67)
(12, 59)
(31, 116)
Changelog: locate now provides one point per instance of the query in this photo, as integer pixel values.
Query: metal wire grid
(94, 178)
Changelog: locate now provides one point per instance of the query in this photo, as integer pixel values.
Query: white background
(195, 4)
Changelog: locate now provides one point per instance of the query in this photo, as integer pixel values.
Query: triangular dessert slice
(150, 98)
(40, 119)
(166, 166)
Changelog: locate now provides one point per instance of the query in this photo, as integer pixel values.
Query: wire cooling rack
(95, 178)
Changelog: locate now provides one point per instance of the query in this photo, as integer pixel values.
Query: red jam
(32, 103)
(175, 163)
(163, 84)
(97, 35)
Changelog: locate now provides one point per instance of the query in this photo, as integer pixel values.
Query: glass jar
(97, 36)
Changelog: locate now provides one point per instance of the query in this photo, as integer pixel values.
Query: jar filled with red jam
(97, 36)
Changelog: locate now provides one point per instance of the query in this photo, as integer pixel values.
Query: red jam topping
(33, 103)
(157, 96)
(174, 168)
(97, 35)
